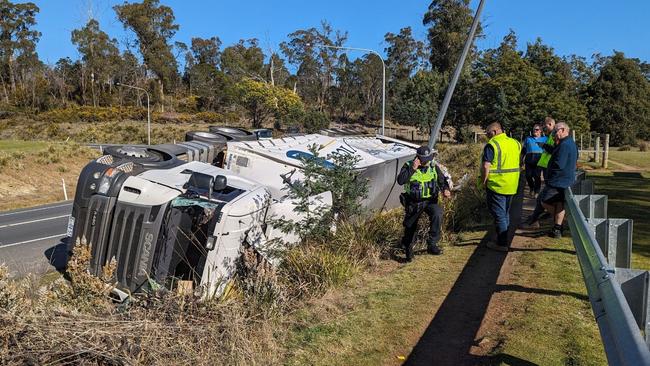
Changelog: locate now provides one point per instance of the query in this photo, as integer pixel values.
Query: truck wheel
(208, 137)
(234, 133)
(144, 156)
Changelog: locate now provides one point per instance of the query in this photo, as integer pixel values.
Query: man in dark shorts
(560, 175)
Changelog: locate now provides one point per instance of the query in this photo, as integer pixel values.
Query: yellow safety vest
(503, 177)
(422, 184)
(546, 157)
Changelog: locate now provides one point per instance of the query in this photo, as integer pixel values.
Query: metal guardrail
(619, 329)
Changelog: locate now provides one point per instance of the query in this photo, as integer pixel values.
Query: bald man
(500, 177)
(560, 175)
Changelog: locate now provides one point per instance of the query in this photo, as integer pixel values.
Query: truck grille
(134, 235)
(96, 227)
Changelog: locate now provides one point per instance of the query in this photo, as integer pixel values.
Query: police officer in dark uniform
(422, 180)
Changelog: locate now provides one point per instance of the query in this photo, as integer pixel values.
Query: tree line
(306, 80)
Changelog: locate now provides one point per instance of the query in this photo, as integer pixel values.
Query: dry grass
(75, 323)
(31, 172)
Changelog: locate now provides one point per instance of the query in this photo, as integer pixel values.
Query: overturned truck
(185, 211)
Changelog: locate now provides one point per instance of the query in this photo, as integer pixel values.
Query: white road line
(34, 209)
(30, 241)
(32, 221)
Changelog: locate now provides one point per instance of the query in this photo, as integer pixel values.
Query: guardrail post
(635, 284)
(614, 236)
(583, 186)
(593, 206)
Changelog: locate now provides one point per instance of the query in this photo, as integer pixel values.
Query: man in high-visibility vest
(532, 222)
(500, 176)
(422, 180)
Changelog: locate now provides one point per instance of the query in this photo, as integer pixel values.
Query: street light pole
(435, 129)
(148, 109)
(383, 84)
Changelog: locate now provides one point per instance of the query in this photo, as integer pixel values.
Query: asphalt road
(31, 240)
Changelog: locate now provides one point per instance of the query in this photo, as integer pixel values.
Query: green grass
(546, 317)
(637, 159)
(555, 326)
(18, 146)
(629, 198)
(378, 318)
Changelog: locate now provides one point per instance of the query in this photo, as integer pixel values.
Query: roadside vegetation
(31, 172)
(635, 159)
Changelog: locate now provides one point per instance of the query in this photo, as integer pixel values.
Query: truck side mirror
(200, 183)
(220, 183)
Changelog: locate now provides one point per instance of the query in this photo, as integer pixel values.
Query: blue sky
(570, 26)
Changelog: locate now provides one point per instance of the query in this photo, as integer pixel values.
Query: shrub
(319, 175)
(625, 148)
(368, 239)
(643, 146)
(93, 114)
(87, 292)
(258, 281)
(315, 120)
(208, 117)
(311, 269)
(171, 117)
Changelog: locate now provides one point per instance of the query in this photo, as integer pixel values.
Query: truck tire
(213, 138)
(234, 133)
(145, 156)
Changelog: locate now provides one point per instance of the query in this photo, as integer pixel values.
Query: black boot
(408, 250)
(434, 249)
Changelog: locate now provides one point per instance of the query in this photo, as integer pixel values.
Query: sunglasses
(536, 129)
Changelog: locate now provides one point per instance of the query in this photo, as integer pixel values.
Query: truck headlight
(104, 186)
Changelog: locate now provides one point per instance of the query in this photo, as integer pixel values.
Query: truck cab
(187, 222)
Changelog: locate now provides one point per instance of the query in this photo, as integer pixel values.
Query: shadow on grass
(505, 359)
(550, 250)
(540, 291)
(57, 255)
(635, 175)
(451, 333)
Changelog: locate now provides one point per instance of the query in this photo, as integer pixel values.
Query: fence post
(65, 192)
(597, 149)
(606, 151)
(412, 135)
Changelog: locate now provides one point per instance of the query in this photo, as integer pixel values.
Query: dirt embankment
(36, 177)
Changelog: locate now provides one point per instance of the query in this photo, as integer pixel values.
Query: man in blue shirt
(560, 175)
(531, 152)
